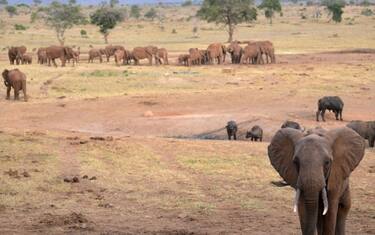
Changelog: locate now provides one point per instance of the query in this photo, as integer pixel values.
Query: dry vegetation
(146, 183)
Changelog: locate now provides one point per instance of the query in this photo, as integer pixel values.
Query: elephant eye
(327, 162)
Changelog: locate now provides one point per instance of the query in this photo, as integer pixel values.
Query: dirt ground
(143, 162)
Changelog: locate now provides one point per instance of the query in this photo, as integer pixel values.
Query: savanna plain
(172, 171)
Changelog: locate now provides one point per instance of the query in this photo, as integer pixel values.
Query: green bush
(187, 3)
(83, 33)
(174, 31)
(19, 27)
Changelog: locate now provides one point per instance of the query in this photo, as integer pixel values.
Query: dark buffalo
(255, 133)
(291, 124)
(330, 103)
(232, 130)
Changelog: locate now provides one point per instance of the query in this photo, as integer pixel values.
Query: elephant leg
(341, 115)
(342, 213)
(8, 92)
(317, 115)
(16, 93)
(260, 139)
(371, 141)
(54, 62)
(322, 113)
(235, 136)
(336, 115)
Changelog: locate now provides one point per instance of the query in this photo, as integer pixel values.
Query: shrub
(83, 33)
(20, 27)
(187, 3)
(174, 31)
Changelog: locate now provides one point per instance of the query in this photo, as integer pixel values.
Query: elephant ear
(348, 149)
(281, 152)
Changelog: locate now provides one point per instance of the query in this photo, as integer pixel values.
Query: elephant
(110, 50)
(236, 52)
(62, 52)
(75, 56)
(42, 55)
(204, 56)
(119, 55)
(318, 166)
(255, 133)
(232, 130)
(195, 56)
(128, 57)
(292, 124)
(15, 54)
(16, 79)
(148, 52)
(216, 51)
(330, 103)
(268, 50)
(96, 53)
(162, 54)
(251, 54)
(27, 59)
(364, 129)
(184, 60)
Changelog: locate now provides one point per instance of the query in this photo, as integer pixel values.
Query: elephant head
(6, 78)
(69, 53)
(314, 163)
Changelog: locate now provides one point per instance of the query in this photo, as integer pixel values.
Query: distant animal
(111, 49)
(364, 129)
(235, 50)
(162, 54)
(330, 103)
(232, 130)
(195, 56)
(216, 51)
(184, 60)
(255, 133)
(27, 59)
(204, 56)
(42, 55)
(17, 80)
(75, 57)
(268, 50)
(15, 54)
(96, 53)
(251, 54)
(291, 124)
(318, 166)
(59, 52)
(120, 55)
(149, 52)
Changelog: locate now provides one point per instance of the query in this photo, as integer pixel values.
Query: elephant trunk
(311, 215)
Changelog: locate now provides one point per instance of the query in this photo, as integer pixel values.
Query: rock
(148, 114)
(85, 177)
(26, 174)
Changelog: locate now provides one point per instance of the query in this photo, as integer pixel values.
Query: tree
(106, 18)
(37, 2)
(113, 3)
(228, 12)
(151, 14)
(270, 7)
(135, 11)
(335, 9)
(60, 17)
(12, 10)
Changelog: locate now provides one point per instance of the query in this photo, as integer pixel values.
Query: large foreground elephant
(364, 129)
(318, 165)
(15, 54)
(59, 52)
(17, 80)
(149, 52)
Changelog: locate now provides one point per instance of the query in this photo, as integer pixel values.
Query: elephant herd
(255, 52)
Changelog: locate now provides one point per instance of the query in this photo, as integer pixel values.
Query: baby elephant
(255, 133)
(232, 130)
(330, 103)
(16, 79)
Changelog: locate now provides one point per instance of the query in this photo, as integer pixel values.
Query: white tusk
(325, 201)
(296, 199)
